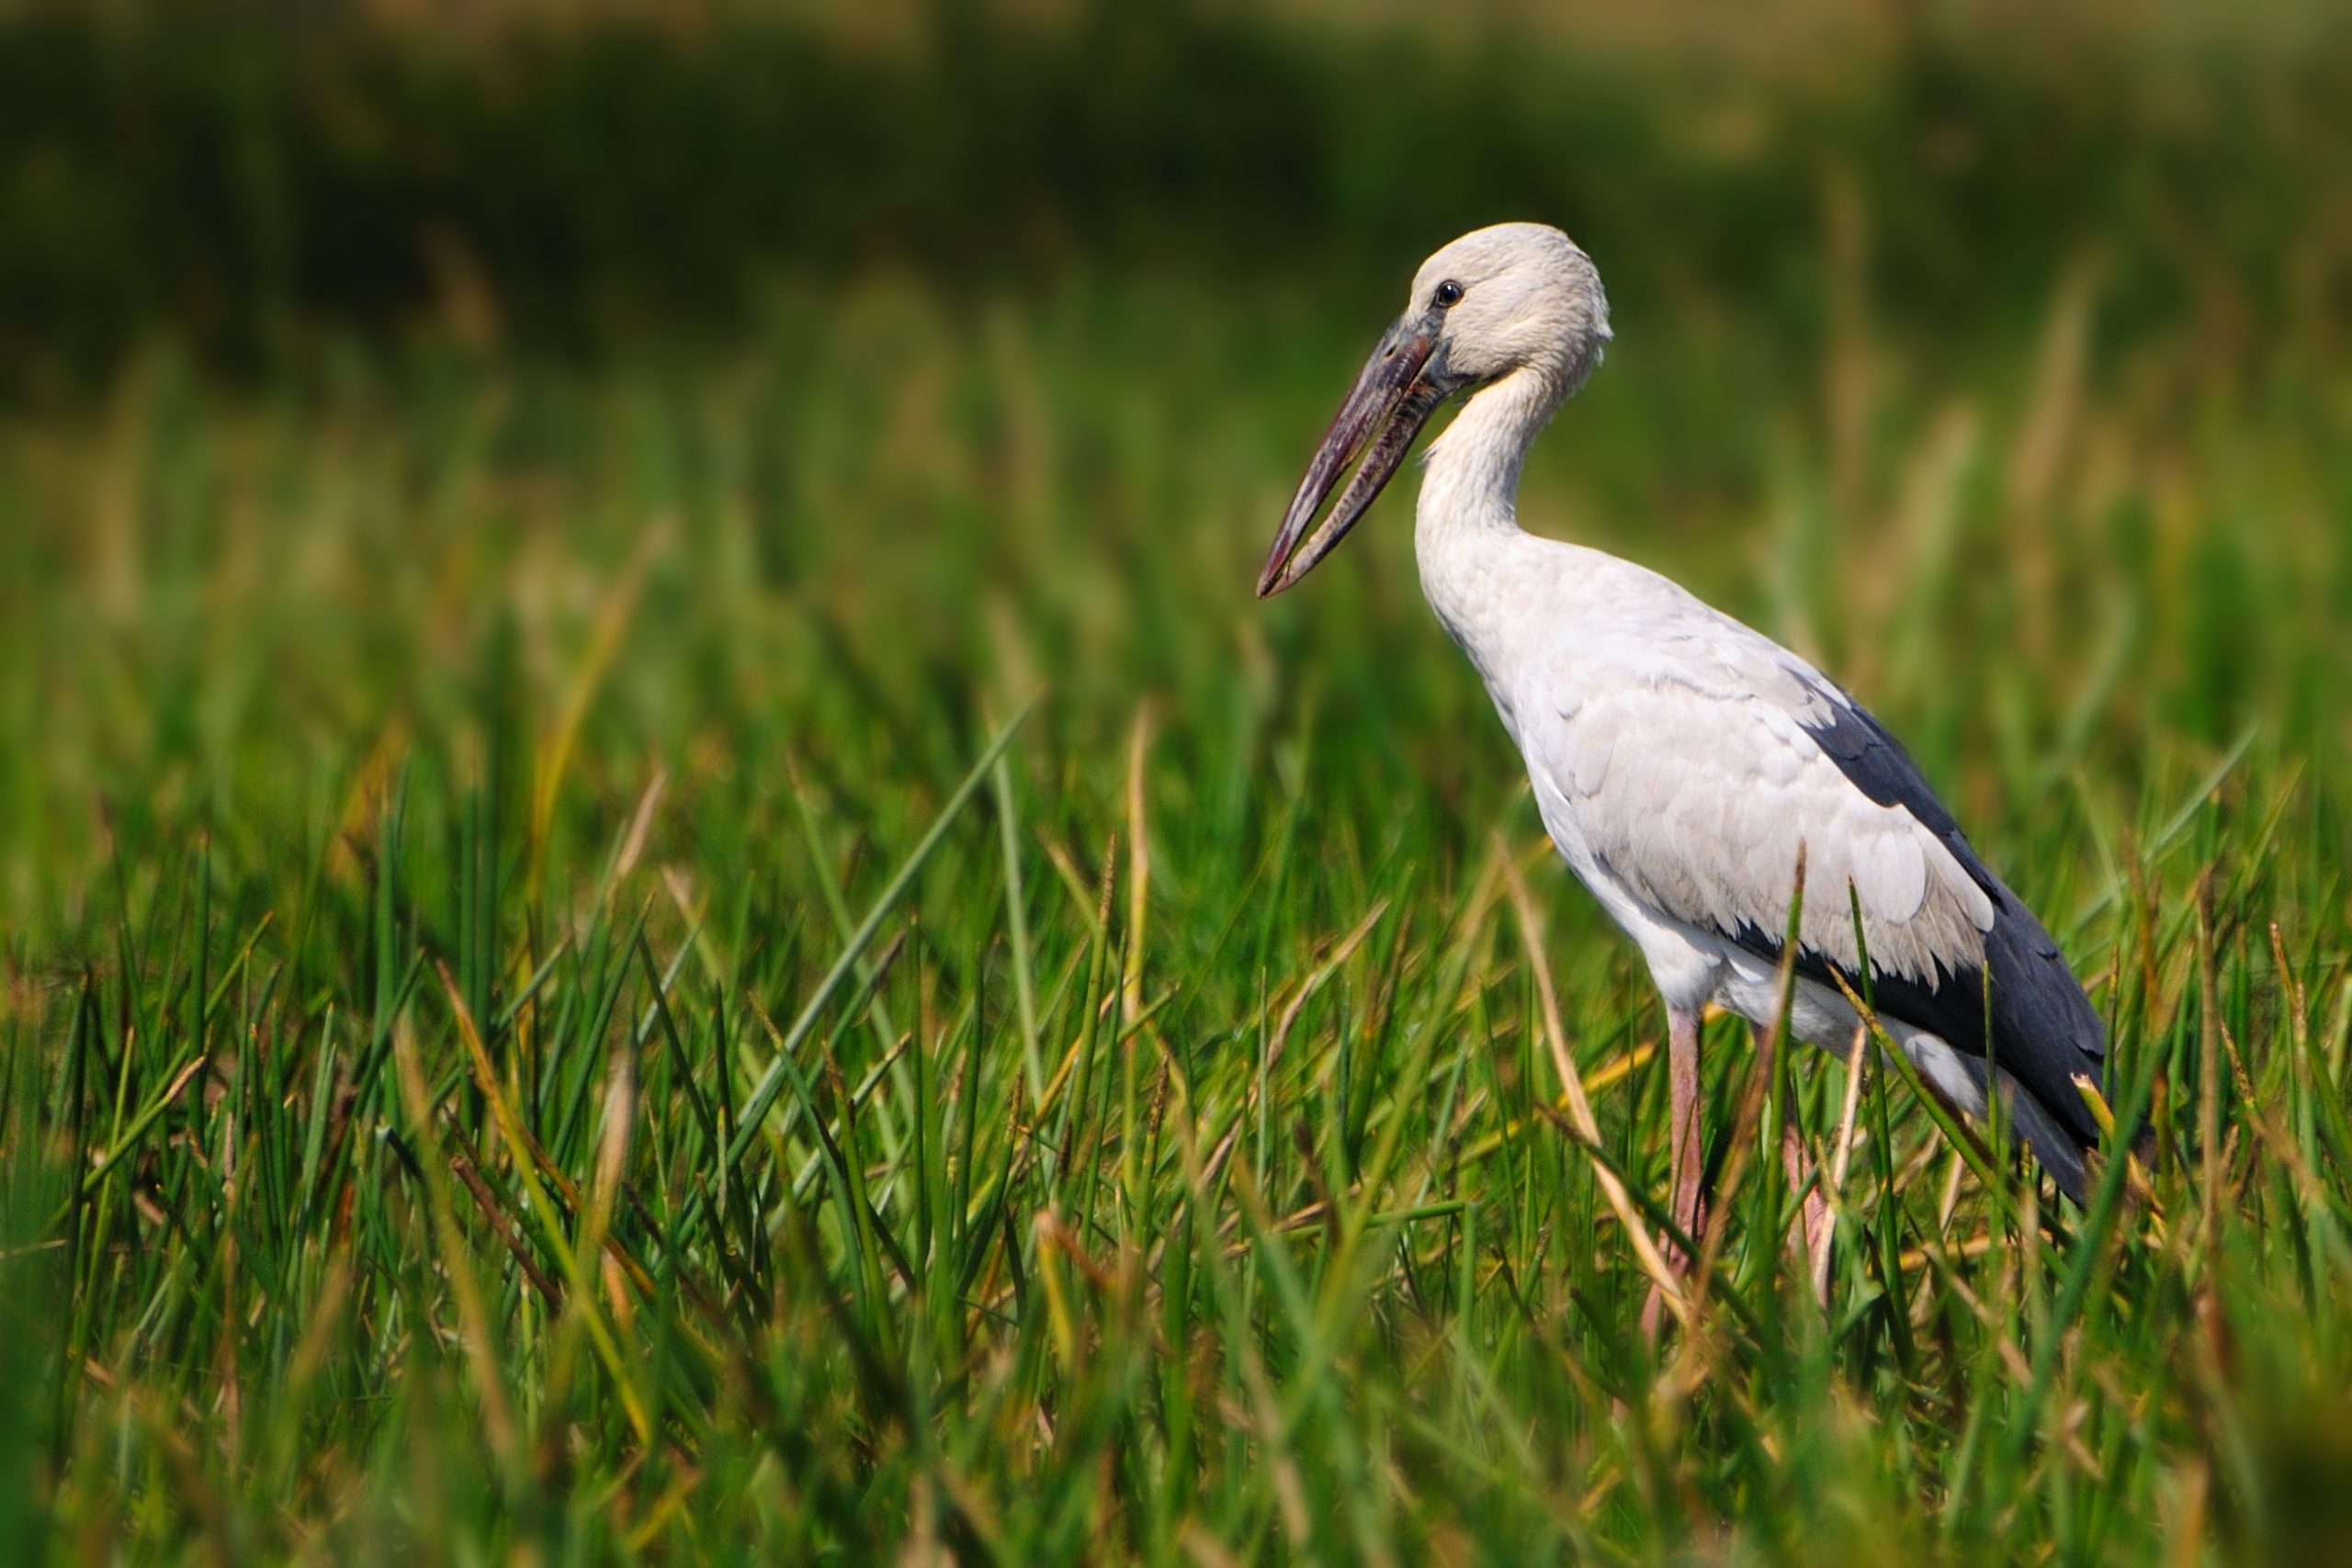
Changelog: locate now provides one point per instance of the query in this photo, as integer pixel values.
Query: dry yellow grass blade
(1580, 1115)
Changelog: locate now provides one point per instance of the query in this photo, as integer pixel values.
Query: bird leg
(1810, 1227)
(1813, 1223)
(1687, 1151)
(1688, 1155)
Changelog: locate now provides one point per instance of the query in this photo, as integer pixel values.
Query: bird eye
(1449, 294)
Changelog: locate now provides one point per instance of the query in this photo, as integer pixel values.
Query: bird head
(1515, 298)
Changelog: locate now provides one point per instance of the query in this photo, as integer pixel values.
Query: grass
(763, 954)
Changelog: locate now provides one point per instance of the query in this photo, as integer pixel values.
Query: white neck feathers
(1466, 534)
(1473, 469)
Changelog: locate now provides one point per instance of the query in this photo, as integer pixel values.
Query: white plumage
(1679, 758)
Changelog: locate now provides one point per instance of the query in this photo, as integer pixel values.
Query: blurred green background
(330, 332)
(655, 444)
(324, 328)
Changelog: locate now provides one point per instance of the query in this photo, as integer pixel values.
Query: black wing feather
(2041, 1030)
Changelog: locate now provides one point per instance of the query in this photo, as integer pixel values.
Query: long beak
(1391, 401)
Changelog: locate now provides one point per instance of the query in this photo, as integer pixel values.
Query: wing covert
(1698, 801)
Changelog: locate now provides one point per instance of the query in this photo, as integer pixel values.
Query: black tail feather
(2055, 1141)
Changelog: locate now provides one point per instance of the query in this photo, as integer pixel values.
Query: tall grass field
(671, 941)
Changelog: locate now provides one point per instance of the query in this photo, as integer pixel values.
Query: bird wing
(1696, 783)
(1695, 757)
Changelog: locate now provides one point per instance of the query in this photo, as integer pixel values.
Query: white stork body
(1663, 736)
(1679, 757)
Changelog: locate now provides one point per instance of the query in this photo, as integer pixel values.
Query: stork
(1685, 765)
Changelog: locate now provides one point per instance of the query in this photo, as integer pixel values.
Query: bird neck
(1465, 531)
(1471, 483)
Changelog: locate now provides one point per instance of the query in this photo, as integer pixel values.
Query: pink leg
(1813, 1220)
(1687, 1149)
